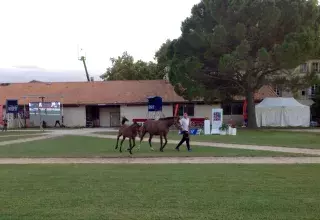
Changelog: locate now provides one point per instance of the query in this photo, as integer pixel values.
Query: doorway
(114, 119)
(92, 116)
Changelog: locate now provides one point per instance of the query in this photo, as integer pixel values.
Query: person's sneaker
(190, 150)
(177, 149)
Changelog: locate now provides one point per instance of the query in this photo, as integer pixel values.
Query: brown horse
(123, 125)
(128, 131)
(158, 127)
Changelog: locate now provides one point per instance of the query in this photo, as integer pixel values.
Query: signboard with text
(217, 118)
(12, 106)
(44, 108)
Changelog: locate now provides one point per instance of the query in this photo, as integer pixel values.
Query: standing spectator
(185, 124)
(5, 125)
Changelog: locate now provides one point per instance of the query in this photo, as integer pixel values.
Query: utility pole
(83, 59)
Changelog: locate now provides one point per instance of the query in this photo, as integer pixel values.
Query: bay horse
(130, 131)
(158, 127)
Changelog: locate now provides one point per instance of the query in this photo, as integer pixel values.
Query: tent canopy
(282, 112)
(279, 102)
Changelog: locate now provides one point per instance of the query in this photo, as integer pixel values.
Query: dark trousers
(5, 128)
(185, 138)
(57, 123)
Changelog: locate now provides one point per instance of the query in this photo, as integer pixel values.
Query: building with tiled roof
(105, 102)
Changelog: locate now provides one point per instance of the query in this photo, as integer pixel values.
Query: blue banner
(12, 106)
(193, 131)
(154, 104)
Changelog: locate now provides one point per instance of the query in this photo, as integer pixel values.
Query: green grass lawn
(79, 146)
(257, 137)
(145, 192)
(11, 138)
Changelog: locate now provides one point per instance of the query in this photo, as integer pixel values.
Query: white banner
(206, 127)
(217, 118)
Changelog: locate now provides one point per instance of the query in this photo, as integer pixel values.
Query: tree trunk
(252, 121)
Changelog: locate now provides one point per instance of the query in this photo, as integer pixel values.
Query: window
(235, 108)
(226, 109)
(303, 92)
(277, 91)
(314, 90)
(315, 67)
(304, 68)
(185, 108)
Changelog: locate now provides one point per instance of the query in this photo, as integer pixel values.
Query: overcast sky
(39, 38)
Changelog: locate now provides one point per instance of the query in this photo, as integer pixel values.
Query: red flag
(176, 110)
(244, 109)
(1, 114)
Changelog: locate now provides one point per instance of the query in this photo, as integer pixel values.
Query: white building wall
(105, 116)
(132, 112)
(202, 111)
(167, 110)
(74, 116)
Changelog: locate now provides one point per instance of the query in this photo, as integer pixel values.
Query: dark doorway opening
(92, 116)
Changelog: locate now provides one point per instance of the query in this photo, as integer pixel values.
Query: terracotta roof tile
(107, 92)
(263, 92)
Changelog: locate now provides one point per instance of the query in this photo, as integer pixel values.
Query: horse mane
(134, 124)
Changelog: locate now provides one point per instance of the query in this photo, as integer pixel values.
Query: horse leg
(141, 138)
(165, 141)
(150, 138)
(122, 143)
(161, 142)
(119, 135)
(134, 144)
(130, 146)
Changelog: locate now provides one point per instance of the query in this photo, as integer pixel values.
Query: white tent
(282, 112)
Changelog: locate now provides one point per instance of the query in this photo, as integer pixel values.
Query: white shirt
(185, 124)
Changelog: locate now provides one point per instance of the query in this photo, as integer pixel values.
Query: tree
(315, 108)
(161, 57)
(125, 68)
(234, 47)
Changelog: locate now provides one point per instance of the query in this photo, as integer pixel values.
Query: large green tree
(315, 108)
(125, 68)
(233, 47)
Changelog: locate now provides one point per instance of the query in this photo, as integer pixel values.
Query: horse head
(136, 128)
(124, 120)
(176, 122)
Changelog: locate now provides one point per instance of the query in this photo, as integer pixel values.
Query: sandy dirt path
(22, 135)
(166, 160)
